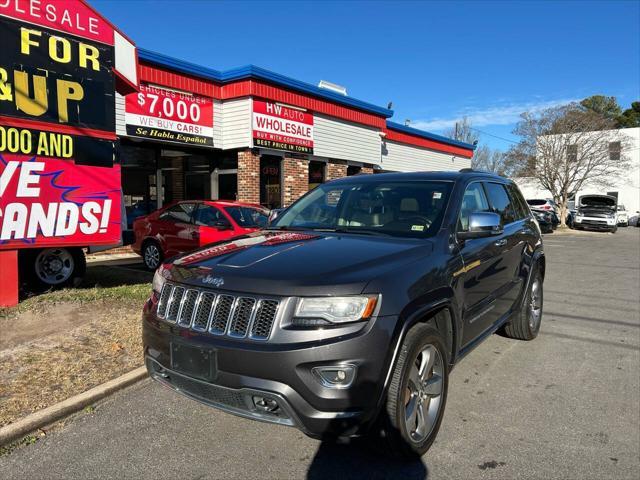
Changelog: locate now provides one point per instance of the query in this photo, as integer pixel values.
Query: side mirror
(273, 214)
(481, 225)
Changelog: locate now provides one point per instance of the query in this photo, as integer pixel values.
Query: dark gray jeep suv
(345, 316)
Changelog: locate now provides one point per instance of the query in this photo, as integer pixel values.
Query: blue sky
(436, 61)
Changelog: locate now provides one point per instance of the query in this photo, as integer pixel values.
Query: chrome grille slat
(203, 311)
(187, 307)
(173, 307)
(242, 315)
(167, 289)
(233, 315)
(221, 314)
(264, 319)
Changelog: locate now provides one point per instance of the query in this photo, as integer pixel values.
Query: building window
(614, 150)
(572, 153)
(316, 174)
(270, 188)
(353, 170)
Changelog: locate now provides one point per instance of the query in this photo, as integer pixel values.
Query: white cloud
(499, 115)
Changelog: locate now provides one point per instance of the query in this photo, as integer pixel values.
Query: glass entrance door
(224, 184)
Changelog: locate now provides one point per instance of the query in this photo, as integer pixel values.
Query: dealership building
(253, 135)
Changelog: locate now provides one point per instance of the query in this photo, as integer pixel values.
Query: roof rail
(467, 170)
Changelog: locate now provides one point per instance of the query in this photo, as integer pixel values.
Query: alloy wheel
(535, 305)
(423, 396)
(152, 256)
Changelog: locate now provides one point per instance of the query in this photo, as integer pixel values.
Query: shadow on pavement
(358, 460)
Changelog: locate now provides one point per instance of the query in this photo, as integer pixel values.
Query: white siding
(235, 121)
(398, 157)
(120, 128)
(345, 141)
(217, 124)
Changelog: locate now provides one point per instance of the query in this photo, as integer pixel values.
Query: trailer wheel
(52, 268)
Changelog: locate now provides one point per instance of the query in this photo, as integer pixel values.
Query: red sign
(282, 128)
(170, 115)
(74, 17)
(58, 181)
(50, 201)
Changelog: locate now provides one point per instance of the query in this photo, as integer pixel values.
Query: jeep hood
(295, 263)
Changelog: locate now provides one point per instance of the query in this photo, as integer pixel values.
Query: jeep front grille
(237, 316)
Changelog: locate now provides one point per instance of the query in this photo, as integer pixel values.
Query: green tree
(630, 118)
(606, 106)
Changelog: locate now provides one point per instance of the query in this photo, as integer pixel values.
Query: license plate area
(193, 361)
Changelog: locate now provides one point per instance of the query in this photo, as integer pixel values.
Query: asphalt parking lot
(566, 405)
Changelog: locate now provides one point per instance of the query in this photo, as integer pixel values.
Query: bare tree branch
(565, 147)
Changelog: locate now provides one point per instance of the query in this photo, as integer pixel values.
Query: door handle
(500, 243)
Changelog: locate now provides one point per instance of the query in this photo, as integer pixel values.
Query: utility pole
(456, 134)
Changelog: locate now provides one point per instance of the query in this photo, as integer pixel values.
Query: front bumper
(244, 371)
(595, 223)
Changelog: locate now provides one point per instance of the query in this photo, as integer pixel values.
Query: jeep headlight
(336, 309)
(159, 279)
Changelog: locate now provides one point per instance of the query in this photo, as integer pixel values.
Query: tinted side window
(520, 205)
(474, 200)
(179, 213)
(500, 202)
(208, 216)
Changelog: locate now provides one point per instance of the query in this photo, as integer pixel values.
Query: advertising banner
(280, 127)
(58, 181)
(52, 202)
(169, 115)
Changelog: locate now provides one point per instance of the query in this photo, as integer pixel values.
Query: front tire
(525, 324)
(417, 394)
(152, 255)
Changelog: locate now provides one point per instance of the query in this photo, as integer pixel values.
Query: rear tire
(525, 324)
(52, 268)
(417, 395)
(152, 255)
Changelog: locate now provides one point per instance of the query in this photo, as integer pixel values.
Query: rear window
(537, 202)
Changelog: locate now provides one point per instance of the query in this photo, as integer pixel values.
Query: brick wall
(336, 170)
(368, 170)
(295, 174)
(248, 177)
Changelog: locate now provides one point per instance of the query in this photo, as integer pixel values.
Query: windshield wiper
(287, 228)
(361, 231)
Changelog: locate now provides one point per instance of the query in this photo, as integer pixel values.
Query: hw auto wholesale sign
(281, 127)
(58, 182)
(169, 115)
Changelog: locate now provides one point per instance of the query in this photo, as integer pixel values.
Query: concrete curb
(46, 416)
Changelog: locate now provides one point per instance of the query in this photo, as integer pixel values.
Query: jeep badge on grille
(215, 281)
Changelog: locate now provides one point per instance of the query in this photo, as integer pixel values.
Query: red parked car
(187, 225)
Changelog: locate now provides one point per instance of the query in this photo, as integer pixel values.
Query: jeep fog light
(340, 376)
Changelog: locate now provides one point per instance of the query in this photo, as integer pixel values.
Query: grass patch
(65, 342)
(101, 283)
(28, 440)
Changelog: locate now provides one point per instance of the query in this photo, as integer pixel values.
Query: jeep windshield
(398, 208)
